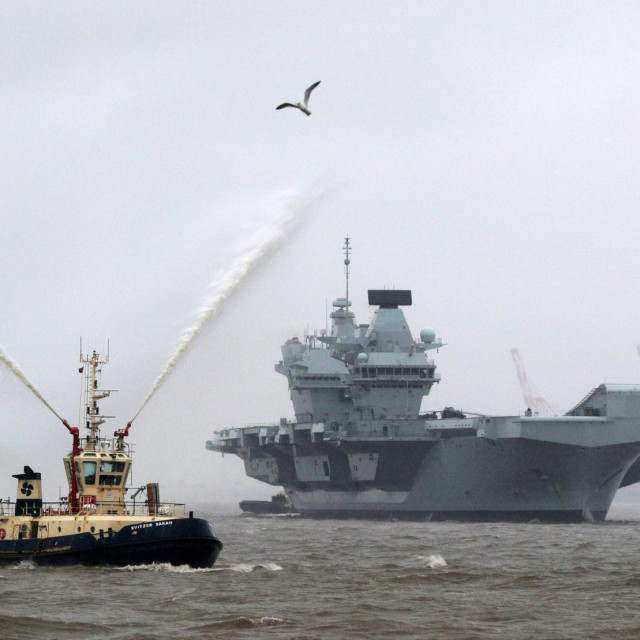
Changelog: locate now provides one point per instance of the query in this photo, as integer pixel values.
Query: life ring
(3, 533)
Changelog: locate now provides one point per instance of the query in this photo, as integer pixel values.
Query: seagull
(301, 105)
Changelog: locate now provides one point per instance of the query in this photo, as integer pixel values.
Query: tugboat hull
(180, 541)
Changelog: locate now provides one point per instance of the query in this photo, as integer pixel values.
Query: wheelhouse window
(107, 466)
(89, 472)
(109, 480)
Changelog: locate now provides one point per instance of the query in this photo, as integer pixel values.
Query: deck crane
(536, 404)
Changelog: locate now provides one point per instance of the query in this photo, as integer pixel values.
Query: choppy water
(285, 577)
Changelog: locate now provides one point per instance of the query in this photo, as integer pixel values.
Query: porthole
(93, 529)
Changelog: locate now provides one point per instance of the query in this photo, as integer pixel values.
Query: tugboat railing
(128, 508)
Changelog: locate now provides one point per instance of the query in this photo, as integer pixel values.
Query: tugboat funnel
(29, 493)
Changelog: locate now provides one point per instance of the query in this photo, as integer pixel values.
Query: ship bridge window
(89, 472)
(109, 481)
(110, 467)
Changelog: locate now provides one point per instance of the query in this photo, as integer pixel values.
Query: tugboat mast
(92, 395)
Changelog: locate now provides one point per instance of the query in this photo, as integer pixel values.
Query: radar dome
(427, 335)
(362, 358)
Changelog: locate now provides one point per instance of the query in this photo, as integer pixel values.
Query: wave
(247, 514)
(433, 562)
(243, 622)
(25, 565)
(164, 567)
(19, 627)
(248, 568)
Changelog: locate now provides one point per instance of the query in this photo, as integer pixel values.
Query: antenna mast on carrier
(347, 262)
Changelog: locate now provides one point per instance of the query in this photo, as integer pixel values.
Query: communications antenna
(347, 262)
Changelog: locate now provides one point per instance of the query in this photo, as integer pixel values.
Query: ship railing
(169, 509)
(60, 507)
(253, 425)
(131, 507)
(399, 428)
(107, 445)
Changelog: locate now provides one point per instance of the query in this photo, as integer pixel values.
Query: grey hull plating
(478, 479)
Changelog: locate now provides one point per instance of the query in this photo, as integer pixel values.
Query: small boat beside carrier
(280, 503)
(95, 524)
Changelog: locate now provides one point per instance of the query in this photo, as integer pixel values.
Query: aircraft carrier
(359, 445)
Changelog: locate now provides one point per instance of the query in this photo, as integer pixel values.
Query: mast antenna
(347, 262)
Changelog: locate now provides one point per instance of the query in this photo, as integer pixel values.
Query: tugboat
(279, 504)
(95, 524)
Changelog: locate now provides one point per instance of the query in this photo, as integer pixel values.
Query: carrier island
(359, 445)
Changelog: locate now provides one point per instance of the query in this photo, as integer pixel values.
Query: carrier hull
(459, 478)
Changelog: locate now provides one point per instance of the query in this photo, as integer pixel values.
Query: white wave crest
(164, 567)
(248, 568)
(433, 562)
(25, 565)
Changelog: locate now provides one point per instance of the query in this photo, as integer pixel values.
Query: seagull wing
(287, 104)
(307, 93)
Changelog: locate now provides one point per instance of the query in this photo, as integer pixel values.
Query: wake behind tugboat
(95, 524)
(359, 446)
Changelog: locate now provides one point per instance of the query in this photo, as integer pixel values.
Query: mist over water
(290, 210)
(14, 368)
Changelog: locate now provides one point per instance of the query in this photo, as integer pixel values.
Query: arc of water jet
(14, 368)
(262, 243)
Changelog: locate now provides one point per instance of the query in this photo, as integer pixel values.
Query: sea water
(286, 577)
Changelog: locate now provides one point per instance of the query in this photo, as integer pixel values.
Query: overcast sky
(483, 154)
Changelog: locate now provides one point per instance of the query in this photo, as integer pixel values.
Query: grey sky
(484, 155)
